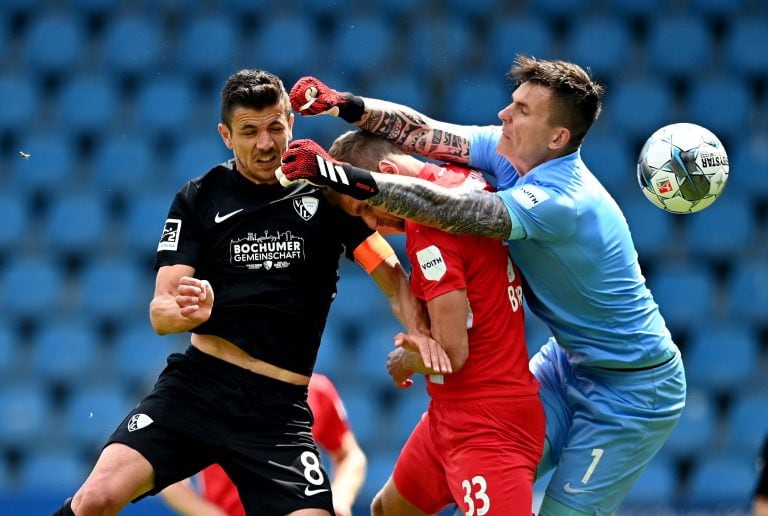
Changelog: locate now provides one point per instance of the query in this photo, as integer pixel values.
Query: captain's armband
(372, 252)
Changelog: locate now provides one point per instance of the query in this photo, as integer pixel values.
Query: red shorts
(480, 454)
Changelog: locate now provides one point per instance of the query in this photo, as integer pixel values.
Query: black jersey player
(237, 396)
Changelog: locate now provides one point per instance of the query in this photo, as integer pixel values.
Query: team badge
(139, 421)
(306, 206)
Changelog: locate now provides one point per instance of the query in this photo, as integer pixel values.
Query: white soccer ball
(682, 168)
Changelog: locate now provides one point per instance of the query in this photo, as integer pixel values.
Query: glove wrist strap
(352, 110)
(347, 179)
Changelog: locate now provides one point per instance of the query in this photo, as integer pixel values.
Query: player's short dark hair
(362, 149)
(254, 89)
(576, 95)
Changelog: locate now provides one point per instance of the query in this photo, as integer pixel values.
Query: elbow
(458, 359)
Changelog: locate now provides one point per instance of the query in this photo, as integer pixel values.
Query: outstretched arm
(410, 130)
(456, 210)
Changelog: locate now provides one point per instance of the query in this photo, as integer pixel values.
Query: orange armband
(372, 252)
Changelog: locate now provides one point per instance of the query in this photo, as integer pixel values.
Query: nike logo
(310, 492)
(572, 490)
(221, 218)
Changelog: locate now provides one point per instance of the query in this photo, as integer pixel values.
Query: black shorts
(203, 410)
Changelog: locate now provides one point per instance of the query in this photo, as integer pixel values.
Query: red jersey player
(218, 495)
(481, 439)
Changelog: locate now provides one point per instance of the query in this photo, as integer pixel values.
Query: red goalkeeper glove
(305, 160)
(310, 96)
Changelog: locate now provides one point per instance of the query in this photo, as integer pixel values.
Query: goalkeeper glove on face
(305, 160)
(310, 96)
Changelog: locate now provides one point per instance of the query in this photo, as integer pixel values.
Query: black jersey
(271, 255)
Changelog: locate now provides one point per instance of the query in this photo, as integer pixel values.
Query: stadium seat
(359, 299)
(25, 411)
(717, 8)
(362, 45)
(164, 105)
(721, 481)
(722, 105)
(748, 292)
(695, 433)
(93, 412)
(614, 162)
(679, 46)
(722, 358)
(684, 292)
(442, 47)
(195, 155)
(53, 470)
(375, 344)
(123, 165)
(140, 354)
(208, 44)
(8, 351)
(656, 486)
(380, 465)
(51, 163)
(747, 160)
(726, 231)
(745, 40)
(65, 352)
(88, 103)
(144, 220)
(638, 106)
(747, 424)
(404, 89)
(112, 289)
(654, 231)
(55, 42)
(363, 411)
(647, 9)
(406, 412)
(476, 100)
(31, 287)
(297, 56)
(76, 223)
(133, 44)
(602, 44)
(21, 98)
(15, 215)
(510, 35)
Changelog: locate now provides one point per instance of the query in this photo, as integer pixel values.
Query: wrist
(362, 185)
(352, 110)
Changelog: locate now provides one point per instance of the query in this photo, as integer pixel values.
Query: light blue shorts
(603, 426)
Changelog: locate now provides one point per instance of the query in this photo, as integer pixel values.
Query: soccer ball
(682, 168)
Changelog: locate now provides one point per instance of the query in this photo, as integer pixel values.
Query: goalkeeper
(613, 383)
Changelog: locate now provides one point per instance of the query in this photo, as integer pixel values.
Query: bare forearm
(467, 212)
(414, 132)
(166, 317)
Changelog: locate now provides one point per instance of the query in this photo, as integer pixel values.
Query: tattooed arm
(456, 210)
(414, 132)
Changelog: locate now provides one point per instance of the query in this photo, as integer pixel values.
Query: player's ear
(388, 167)
(225, 135)
(561, 138)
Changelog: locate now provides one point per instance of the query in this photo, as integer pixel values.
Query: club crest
(306, 206)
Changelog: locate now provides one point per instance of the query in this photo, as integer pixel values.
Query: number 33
(478, 495)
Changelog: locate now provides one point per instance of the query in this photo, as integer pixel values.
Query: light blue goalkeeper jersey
(578, 259)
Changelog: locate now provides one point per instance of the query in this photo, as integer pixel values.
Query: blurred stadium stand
(115, 103)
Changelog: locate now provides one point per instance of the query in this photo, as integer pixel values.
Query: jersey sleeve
(543, 213)
(330, 415)
(482, 152)
(436, 259)
(353, 230)
(181, 238)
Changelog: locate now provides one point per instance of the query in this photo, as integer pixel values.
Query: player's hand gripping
(195, 299)
(305, 160)
(310, 96)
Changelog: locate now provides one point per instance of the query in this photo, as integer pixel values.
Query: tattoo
(414, 132)
(456, 210)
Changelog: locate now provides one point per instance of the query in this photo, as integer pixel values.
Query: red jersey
(497, 364)
(329, 429)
